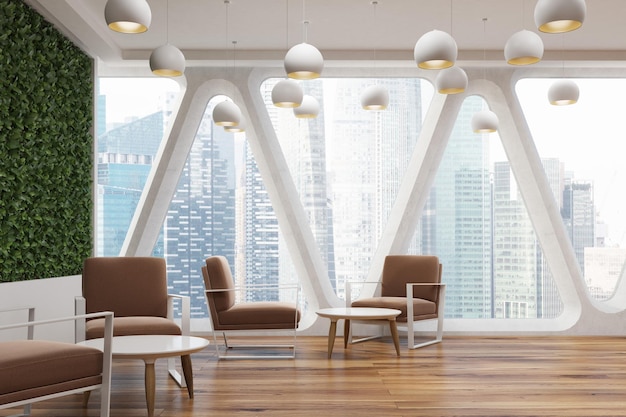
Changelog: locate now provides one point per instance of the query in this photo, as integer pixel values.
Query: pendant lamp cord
(374, 4)
(484, 48)
(227, 3)
(563, 54)
(305, 23)
(451, 13)
(167, 22)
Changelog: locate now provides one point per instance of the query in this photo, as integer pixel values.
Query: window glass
(347, 164)
(132, 114)
(584, 141)
(476, 222)
(221, 207)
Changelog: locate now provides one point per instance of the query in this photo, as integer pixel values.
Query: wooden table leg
(187, 372)
(394, 334)
(331, 336)
(346, 332)
(150, 386)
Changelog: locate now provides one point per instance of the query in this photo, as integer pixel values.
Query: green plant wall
(46, 88)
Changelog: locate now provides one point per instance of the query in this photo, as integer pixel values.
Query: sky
(136, 96)
(589, 137)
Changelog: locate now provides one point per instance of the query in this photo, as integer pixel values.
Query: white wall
(51, 297)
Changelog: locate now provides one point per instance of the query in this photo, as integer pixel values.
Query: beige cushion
(128, 286)
(260, 315)
(217, 276)
(425, 309)
(32, 368)
(127, 326)
(399, 270)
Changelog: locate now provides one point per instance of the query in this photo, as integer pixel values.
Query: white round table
(359, 313)
(149, 348)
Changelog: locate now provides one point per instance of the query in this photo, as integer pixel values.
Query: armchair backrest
(399, 270)
(217, 276)
(128, 286)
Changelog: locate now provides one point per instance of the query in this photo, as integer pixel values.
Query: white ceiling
(341, 29)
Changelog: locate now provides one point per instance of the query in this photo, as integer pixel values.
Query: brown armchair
(227, 315)
(411, 284)
(34, 369)
(135, 289)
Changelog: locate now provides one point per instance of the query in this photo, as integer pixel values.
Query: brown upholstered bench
(35, 370)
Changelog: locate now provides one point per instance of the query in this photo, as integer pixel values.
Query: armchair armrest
(80, 308)
(289, 287)
(257, 287)
(409, 296)
(351, 284)
(108, 330)
(185, 309)
(31, 317)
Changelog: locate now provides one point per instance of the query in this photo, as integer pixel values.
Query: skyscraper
(125, 156)
(457, 220)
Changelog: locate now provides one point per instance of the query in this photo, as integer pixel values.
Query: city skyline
(325, 210)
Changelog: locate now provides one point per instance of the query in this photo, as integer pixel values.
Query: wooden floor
(463, 376)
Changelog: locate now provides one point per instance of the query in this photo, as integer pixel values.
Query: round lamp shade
(128, 16)
(167, 61)
(287, 94)
(558, 16)
(375, 97)
(485, 121)
(226, 113)
(435, 50)
(309, 108)
(451, 80)
(304, 62)
(241, 127)
(563, 92)
(523, 48)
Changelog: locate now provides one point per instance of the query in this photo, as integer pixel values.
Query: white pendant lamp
(375, 97)
(452, 80)
(309, 108)
(128, 16)
(558, 16)
(226, 113)
(435, 50)
(304, 62)
(563, 93)
(241, 127)
(485, 121)
(523, 48)
(167, 61)
(287, 94)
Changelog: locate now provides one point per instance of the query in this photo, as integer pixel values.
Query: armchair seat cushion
(135, 325)
(422, 309)
(259, 315)
(32, 368)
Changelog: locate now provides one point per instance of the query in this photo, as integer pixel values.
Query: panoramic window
(132, 114)
(582, 145)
